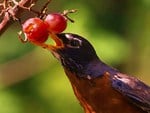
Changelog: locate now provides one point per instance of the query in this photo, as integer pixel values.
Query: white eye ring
(74, 43)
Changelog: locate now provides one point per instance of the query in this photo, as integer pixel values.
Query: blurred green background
(32, 81)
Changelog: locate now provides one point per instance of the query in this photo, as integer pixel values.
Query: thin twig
(5, 23)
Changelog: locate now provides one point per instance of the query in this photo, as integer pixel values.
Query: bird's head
(74, 51)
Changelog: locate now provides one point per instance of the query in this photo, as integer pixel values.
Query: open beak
(57, 40)
(58, 43)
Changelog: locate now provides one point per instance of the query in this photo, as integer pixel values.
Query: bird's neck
(92, 69)
(97, 68)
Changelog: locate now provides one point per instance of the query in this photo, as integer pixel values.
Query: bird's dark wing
(135, 90)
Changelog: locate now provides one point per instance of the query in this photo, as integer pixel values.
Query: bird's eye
(74, 43)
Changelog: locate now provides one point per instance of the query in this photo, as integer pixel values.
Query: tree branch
(5, 23)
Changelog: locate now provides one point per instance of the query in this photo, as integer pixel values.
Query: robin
(98, 87)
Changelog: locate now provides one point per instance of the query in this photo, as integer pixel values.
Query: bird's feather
(135, 90)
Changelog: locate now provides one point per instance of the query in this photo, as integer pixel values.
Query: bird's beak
(58, 43)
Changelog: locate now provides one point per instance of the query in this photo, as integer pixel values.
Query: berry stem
(66, 12)
(25, 40)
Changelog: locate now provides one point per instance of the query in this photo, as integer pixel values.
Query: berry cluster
(37, 30)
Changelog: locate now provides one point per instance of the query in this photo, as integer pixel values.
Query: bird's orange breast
(98, 96)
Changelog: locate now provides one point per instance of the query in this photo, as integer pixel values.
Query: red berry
(57, 22)
(36, 30)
